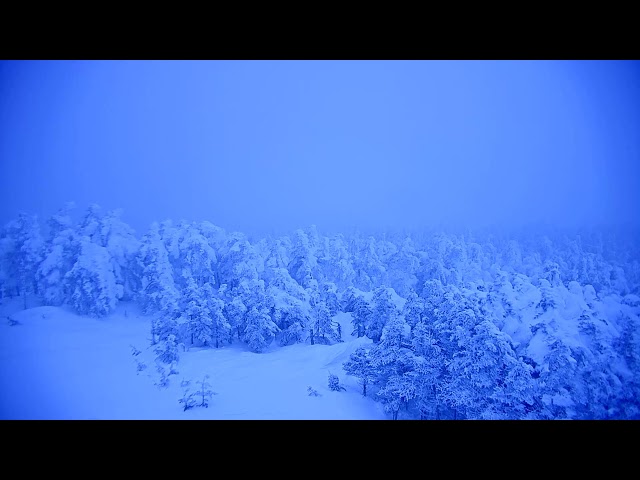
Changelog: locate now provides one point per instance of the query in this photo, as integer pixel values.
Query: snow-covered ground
(55, 364)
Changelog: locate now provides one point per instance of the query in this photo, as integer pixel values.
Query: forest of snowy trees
(480, 325)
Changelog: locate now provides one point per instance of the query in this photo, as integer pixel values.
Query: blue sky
(268, 145)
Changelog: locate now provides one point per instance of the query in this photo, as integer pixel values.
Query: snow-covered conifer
(359, 365)
(196, 309)
(92, 288)
(334, 383)
(60, 255)
(260, 330)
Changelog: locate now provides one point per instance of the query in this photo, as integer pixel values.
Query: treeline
(480, 325)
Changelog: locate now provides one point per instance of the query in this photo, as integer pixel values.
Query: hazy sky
(261, 145)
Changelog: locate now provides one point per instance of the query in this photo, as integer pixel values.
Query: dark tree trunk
(153, 332)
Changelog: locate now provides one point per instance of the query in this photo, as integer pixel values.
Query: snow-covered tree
(60, 255)
(260, 330)
(360, 316)
(329, 295)
(413, 309)
(430, 370)
(486, 378)
(335, 265)
(402, 268)
(334, 383)
(557, 379)
(289, 306)
(197, 258)
(292, 320)
(303, 266)
(398, 391)
(383, 309)
(359, 365)
(253, 294)
(321, 330)
(278, 256)
(627, 345)
(91, 225)
(235, 312)
(168, 351)
(196, 309)
(220, 326)
(369, 270)
(23, 252)
(239, 261)
(92, 288)
(200, 397)
(122, 245)
(156, 273)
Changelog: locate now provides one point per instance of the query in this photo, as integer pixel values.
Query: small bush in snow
(167, 350)
(199, 398)
(312, 392)
(13, 322)
(187, 399)
(163, 381)
(334, 383)
(134, 351)
(140, 366)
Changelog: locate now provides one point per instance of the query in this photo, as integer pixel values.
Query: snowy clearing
(58, 365)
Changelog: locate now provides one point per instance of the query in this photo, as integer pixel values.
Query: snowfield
(55, 364)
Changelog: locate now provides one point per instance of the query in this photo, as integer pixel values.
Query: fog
(276, 145)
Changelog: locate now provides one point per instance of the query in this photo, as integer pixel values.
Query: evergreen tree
(334, 383)
(220, 327)
(156, 272)
(413, 309)
(402, 268)
(22, 250)
(369, 270)
(383, 310)
(329, 296)
(292, 322)
(398, 391)
(359, 365)
(557, 379)
(335, 264)
(197, 258)
(29, 254)
(322, 329)
(91, 225)
(361, 313)
(198, 314)
(235, 312)
(167, 350)
(158, 294)
(91, 281)
(430, 369)
(122, 245)
(60, 255)
(304, 264)
(260, 330)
